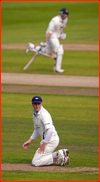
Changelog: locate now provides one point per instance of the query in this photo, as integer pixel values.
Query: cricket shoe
(58, 71)
(61, 158)
(66, 154)
(30, 46)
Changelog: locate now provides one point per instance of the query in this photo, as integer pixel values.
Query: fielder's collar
(37, 113)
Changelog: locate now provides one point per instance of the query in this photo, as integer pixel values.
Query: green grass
(85, 63)
(26, 21)
(46, 176)
(75, 118)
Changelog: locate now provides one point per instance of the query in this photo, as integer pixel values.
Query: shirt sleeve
(51, 27)
(34, 125)
(48, 135)
(65, 22)
(34, 134)
(47, 120)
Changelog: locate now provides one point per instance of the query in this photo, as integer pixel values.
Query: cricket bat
(32, 59)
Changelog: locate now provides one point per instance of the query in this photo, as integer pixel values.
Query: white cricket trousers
(46, 158)
(52, 44)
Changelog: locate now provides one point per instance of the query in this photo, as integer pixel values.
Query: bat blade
(30, 62)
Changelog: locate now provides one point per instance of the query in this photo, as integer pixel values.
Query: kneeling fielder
(43, 125)
(54, 31)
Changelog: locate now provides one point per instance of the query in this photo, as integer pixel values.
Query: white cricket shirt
(56, 26)
(43, 121)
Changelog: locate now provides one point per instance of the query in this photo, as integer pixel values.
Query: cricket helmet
(64, 11)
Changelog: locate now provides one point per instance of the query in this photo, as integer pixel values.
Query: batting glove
(63, 36)
(43, 44)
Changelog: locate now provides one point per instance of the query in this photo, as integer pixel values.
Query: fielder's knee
(35, 163)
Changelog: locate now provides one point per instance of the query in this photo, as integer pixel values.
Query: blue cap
(36, 99)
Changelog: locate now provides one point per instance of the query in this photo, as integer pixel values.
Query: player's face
(64, 16)
(37, 106)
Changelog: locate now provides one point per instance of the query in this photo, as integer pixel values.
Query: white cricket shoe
(67, 160)
(58, 71)
(66, 154)
(61, 158)
(29, 47)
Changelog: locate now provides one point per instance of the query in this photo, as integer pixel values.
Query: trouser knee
(35, 163)
(60, 50)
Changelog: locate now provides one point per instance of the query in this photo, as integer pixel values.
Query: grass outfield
(46, 176)
(85, 63)
(27, 21)
(76, 119)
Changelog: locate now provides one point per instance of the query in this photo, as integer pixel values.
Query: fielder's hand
(62, 36)
(27, 143)
(42, 148)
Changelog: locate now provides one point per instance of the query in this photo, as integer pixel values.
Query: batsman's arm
(51, 29)
(48, 36)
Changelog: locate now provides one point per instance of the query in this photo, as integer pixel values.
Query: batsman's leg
(60, 53)
(55, 61)
(54, 44)
(32, 47)
(29, 47)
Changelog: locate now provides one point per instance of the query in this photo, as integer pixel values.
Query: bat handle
(39, 50)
